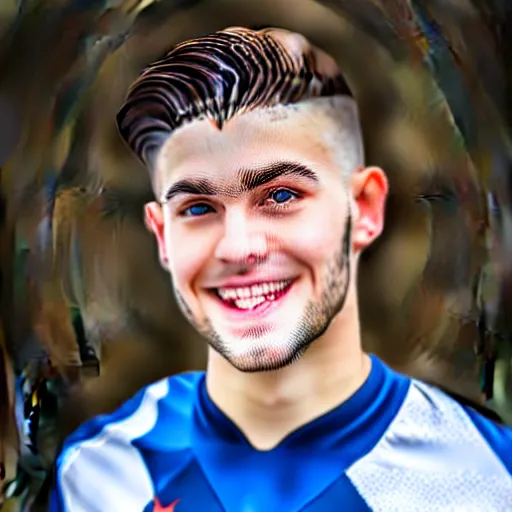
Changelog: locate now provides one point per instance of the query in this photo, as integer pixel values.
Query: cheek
(186, 260)
(318, 244)
(320, 234)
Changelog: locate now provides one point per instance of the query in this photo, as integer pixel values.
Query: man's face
(259, 228)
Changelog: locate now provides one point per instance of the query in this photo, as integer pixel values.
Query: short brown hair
(217, 76)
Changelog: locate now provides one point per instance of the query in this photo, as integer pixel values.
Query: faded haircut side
(219, 76)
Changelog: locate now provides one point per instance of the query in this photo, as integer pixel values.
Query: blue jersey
(396, 445)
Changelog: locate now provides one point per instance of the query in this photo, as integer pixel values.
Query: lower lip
(263, 309)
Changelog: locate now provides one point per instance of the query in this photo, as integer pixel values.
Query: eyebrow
(248, 179)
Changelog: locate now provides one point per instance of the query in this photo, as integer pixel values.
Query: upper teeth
(256, 290)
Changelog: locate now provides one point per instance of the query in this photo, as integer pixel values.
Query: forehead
(322, 134)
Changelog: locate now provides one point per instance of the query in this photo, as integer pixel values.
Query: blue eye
(282, 195)
(196, 210)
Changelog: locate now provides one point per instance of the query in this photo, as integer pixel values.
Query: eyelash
(275, 205)
(183, 213)
(281, 206)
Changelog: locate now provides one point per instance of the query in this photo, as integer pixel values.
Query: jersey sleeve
(498, 437)
(105, 473)
(100, 468)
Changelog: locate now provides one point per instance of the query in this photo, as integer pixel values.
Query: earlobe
(154, 220)
(370, 189)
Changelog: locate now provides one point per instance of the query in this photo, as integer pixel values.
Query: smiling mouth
(253, 297)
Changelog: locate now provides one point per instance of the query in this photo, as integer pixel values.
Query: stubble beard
(314, 322)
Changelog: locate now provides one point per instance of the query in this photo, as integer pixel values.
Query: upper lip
(252, 281)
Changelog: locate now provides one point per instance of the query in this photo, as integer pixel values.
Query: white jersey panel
(432, 459)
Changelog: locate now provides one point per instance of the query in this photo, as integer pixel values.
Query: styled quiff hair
(220, 75)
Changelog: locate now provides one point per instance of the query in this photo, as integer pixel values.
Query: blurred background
(87, 315)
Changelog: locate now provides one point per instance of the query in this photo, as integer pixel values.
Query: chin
(261, 355)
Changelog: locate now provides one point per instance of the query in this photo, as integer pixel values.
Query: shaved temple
(228, 73)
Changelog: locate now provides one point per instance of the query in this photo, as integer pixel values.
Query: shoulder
(440, 452)
(445, 423)
(108, 451)
(442, 419)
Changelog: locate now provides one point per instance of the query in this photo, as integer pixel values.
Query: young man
(263, 208)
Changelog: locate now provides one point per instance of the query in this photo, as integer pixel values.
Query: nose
(242, 242)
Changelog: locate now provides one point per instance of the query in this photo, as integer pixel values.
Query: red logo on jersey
(160, 508)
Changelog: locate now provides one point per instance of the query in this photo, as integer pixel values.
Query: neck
(268, 406)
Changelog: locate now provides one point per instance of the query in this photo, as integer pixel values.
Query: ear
(369, 189)
(154, 219)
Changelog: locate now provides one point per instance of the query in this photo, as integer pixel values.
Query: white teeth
(227, 293)
(256, 290)
(249, 303)
(249, 293)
